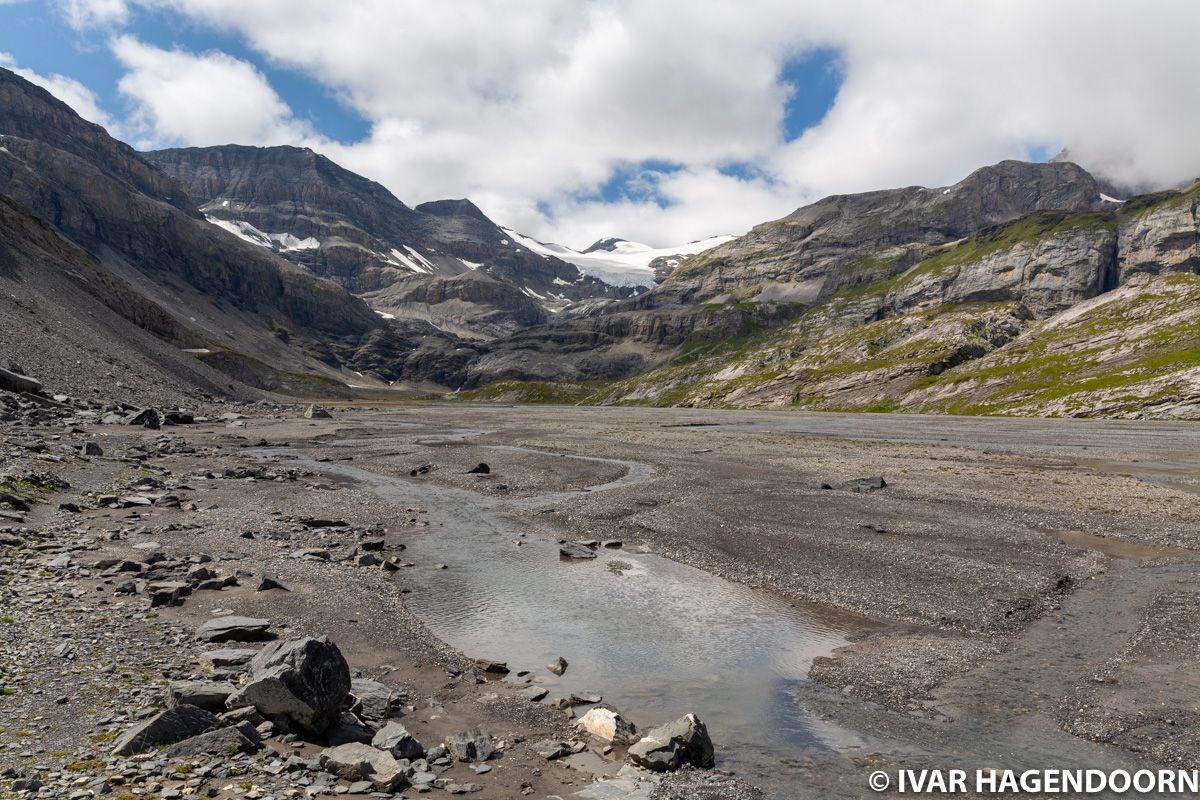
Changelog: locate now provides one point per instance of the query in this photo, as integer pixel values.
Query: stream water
(656, 638)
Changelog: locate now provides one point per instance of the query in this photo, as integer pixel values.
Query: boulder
(267, 583)
(494, 667)
(534, 693)
(92, 449)
(316, 412)
(558, 666)
(480, 469)
(147, 418)
(395, 739)
(609, 725)
(15, 382)
(166, 728)
(233, 629)
(240, 738)
(470, 745)
(575, 550)
(863, 485)
(371, 699)
(668, 747)
(359, 762)
(208, 695)
(551, 749)
(303, 680)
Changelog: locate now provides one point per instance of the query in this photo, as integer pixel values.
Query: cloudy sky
(661, 121)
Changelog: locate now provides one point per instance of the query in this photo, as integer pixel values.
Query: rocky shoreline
(134, 560)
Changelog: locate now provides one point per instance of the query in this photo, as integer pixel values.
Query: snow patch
(284, 242)
(628, 264)
(385, 315)
(470, 264)
(1106, 199)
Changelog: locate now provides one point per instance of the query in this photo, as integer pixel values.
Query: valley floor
(1020, 593)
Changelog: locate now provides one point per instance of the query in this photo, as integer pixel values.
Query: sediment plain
(1013, 593)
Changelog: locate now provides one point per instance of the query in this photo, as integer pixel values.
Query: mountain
(152, 260)
(620, 262)
(1023, 289)
(443, 262)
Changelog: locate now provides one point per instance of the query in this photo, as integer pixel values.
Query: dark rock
(488, 665)
(147, 418)
(348, 728)
(166, 728)
(668, 747)
(395, 739)
(14, 382)
(558, 666)
(178, 417)
(92, 449)
(268, 583)
(371, 545)
(304, 680)
(480, 469)
(470, 745)
(575, 550)
(863, 485)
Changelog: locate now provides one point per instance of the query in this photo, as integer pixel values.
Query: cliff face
(139, 227)
(339, 225)
(846, 240)
(1161, 234)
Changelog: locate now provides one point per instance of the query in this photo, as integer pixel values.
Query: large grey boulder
(304, 681)
(668, 747)
(234, 629)
(361, 762)
(171, 726)
(395, 739)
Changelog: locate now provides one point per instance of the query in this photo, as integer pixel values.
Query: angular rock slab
(234, 629)
(575, 550)
(361, 762)
(209, 695)
(304, 680)
(171, 726)
(668, 747)
(241, 738)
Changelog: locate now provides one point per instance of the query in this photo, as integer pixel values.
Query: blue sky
(662, 121)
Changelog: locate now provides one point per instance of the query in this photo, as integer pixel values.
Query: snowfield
(628, 264)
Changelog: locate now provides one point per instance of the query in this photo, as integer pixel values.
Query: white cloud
(70, 91)
(81, 14)
(522, 104)
(202, 99)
